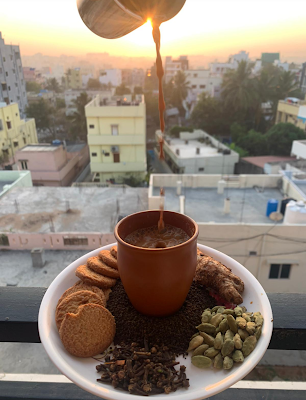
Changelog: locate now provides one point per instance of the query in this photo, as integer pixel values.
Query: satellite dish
(276, 216)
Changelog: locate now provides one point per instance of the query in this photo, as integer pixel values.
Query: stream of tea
(161, 107)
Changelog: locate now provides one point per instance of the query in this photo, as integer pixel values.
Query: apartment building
(15, 132)
(292, 110)
(12, 83)
(202, 81)
(110, 76)
(173, 66)
(218, 68)
(303, 78)
(73, 78)
(198, 152)
(117, 137)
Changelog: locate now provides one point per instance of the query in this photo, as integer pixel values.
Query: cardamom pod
(216, 319)
(241, 322)
(237, 341)
(223, 325)
(220, 310)
(201, 361)
(250, 327)
(207, 328)
(228, 347)
(249, 345)
(211, 352)
(208, 339)
(229, 335)
(258, 332)
(195, 342)
(228, 311)
(232, 323)
(218, 343)
(218, 361)
(243, 334)
(206, 316)
(238, 356)
(227, 363)
(199, 351)
(238, 311)
(246, 317)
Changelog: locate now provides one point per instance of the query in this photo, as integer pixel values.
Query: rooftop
(73, 148)
(206, 205)
(39, 147)
(262, 160)
(190, 150)
(68, 209)
(3, 183)
(116, 101)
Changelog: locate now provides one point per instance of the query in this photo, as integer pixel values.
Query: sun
(141, 36)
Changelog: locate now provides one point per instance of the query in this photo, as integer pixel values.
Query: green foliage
(33, 87)
(132, 181)
(180, 91)
(93, 84)
(242, 152)
(41, 112)
(237, 132)
(281, 136)
(60, 103)
(255, 143)
(152, 107)
(52, 84)
(176, 130)
(78, 126)
(121, 90)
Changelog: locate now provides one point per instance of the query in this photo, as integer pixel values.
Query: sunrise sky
(215, 28)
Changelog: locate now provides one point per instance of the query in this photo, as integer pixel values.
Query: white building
(221, 68)
(173, 66)
(85, 79)
(198, 153)
(202, 81)
(12, 83)
(231, 215)
(112, 76)
(72, 95)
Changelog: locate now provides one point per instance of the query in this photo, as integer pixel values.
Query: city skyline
(214, 30)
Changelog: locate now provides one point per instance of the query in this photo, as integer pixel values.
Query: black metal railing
(18, 323)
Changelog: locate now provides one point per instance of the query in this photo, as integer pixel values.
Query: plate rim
(110, 393)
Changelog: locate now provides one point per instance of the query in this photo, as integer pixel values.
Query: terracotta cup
(156, 281)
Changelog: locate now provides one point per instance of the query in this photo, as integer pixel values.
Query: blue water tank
(271, 206)
(56, 142)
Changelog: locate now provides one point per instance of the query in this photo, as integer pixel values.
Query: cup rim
(145, 249)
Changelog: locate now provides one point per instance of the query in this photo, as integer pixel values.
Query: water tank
(271, 206)
(56, 142)
(295, 213)
(284, 203)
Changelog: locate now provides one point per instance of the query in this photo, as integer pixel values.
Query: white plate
(203, 383)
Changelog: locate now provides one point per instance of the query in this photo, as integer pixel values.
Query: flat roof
(206, 205)
(189, 150)
(72, 148)
(33, 147)
(262, 160)
(91, 209)
(3, 183)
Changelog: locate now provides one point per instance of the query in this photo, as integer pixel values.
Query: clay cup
(156, 280)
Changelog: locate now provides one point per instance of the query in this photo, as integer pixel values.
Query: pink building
(53, 165)
(29, 74)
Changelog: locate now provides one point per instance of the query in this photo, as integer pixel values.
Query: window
(9, 124)
(201, 169)
(106, 154)
(116, 157)
(252, 253)
(16, 143)
(115, 130)
(194, 86)
(279, 271)
(91, 126)
(6, 73)
(24, 140)
(202, 86)
(4, 240)
(9, 88)
(94, 154)
(4, 87)
(195, 75)
(24, 164)
(75, 241)
(1, 125)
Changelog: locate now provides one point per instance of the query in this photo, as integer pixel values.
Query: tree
(281, 136)
(78, 118)
(60, 103)
(255, 143)
(286, 84)
(42, 113)
(180, 91)
(237, 87)
(33, 87)
(237, 132)
(52, 84)
(239, 150)
(121, 90)
(208, 115)
(152, 107)
(93, 84)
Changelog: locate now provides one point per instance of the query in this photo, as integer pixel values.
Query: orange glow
(54, 27)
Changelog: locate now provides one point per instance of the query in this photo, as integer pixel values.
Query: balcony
(18, 323)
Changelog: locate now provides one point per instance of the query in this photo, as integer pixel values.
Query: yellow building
(73, 79)
(117, 137)
(15, 133)
(292, 110)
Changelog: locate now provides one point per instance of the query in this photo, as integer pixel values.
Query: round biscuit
(80, 285)
(113, 251)
(107, 292)
(88, 332)
(97, 265)
(92, 278)
(71, 303)
(108, 258)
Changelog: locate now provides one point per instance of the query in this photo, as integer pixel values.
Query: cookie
(97, 265)
(108, 258)
(107, 292)
(89, 331)
(92, 278)
(113, 251)
(71, 303)
(82, 286)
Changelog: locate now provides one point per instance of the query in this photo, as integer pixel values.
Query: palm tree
(286, 84)
(237, 87)
(180, 90)
(78, 118)
(264, 90)
(52, 84)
